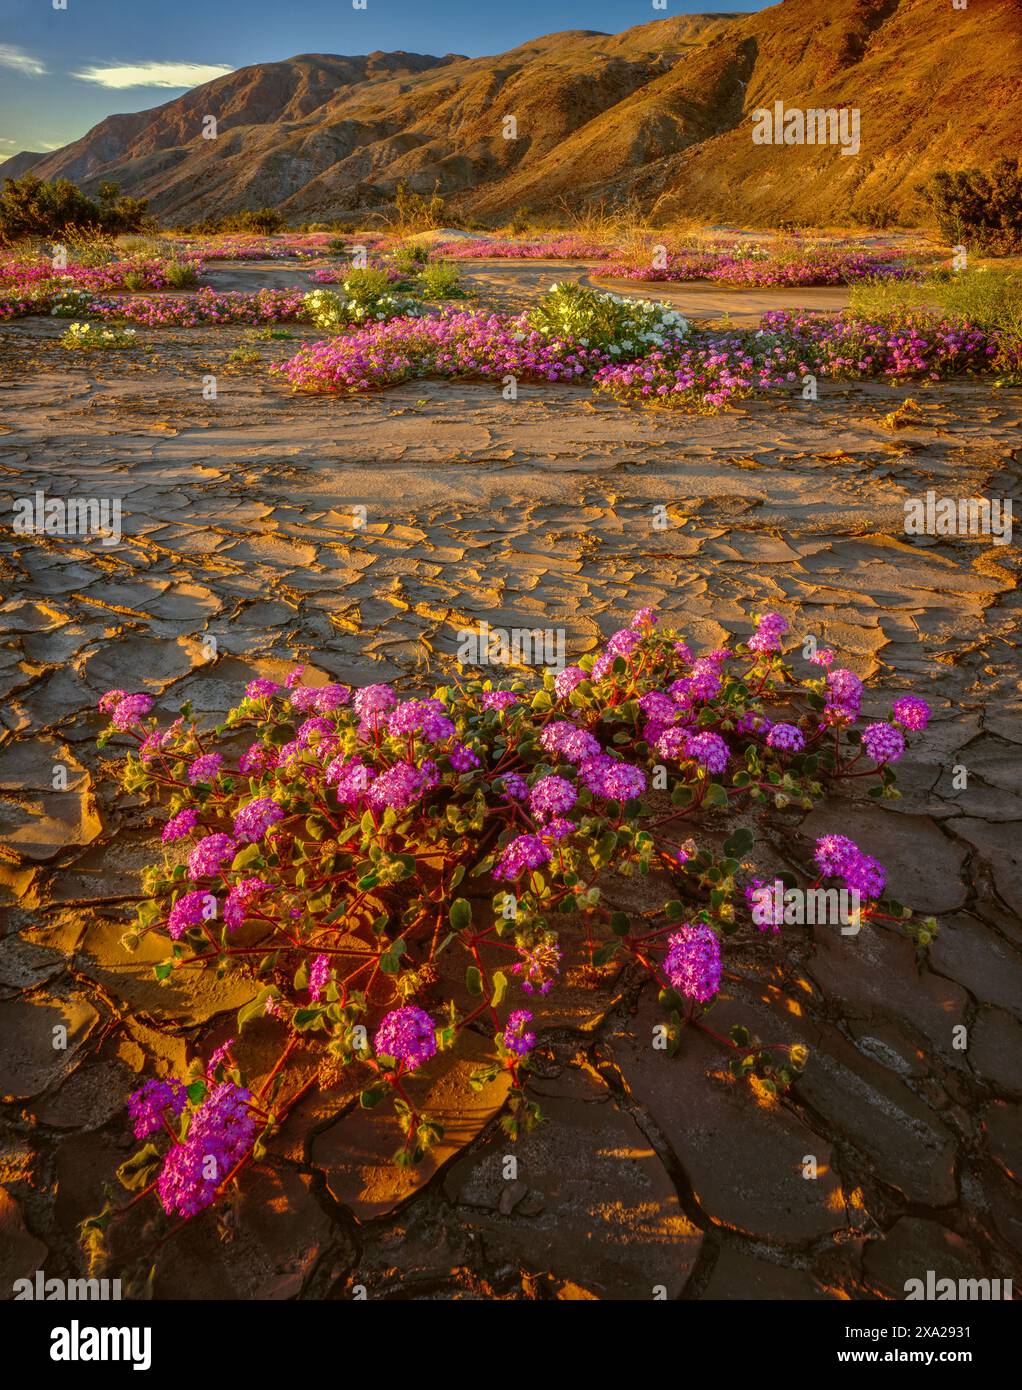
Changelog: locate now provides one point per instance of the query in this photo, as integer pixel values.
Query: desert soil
(650, 1172)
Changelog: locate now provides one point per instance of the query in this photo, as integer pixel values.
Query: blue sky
(61, 71)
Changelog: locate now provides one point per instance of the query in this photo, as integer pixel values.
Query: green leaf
(162, 971)
(246, 857)
(196, 1091)
(715, 795)
(474, 980)
(740, 842)
(139, 1170)
(460, 914)
(371, 1096)
(620, 923)
(308, 1020)
(607, 845)
(256, 1007)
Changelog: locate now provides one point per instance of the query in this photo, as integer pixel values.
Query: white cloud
(179, 75)
(8, 143)
(19, 61)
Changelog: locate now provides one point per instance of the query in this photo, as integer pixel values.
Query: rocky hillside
(658, 117)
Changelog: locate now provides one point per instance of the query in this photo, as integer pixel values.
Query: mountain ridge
(656, 118)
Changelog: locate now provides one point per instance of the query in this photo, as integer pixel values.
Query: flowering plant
(622, 327)
(452, 344)
(392, 874)
(80, 337)
(361, 301)
(68, 304)
(715, 369)
(206, 306)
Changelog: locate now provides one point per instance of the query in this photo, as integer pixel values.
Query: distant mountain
(17, 165)
(657, 117)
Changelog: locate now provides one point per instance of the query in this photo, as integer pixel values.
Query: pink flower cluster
(716, 369)
(560, 248)
(466, 344)
(41, 274)
(734, 266)
(204, 306)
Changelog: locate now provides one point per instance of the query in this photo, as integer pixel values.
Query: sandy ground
(239, 524)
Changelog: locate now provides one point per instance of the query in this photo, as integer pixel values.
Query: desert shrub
(145, 247)
(30, 207)
(410, 257)
(118, 212)
(875, 216)
(980, 207)
(88, 248)
(621, 326)
(180, 275)
(262, 221)
(414, 213)
(392, 875)
(439, 281)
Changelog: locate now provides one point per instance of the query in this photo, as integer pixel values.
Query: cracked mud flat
(650, 1172)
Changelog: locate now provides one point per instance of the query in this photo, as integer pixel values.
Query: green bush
(180, 275)
(261, 221)
(980, 208)
(30, 207)
(411, 257)
(440, 281)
